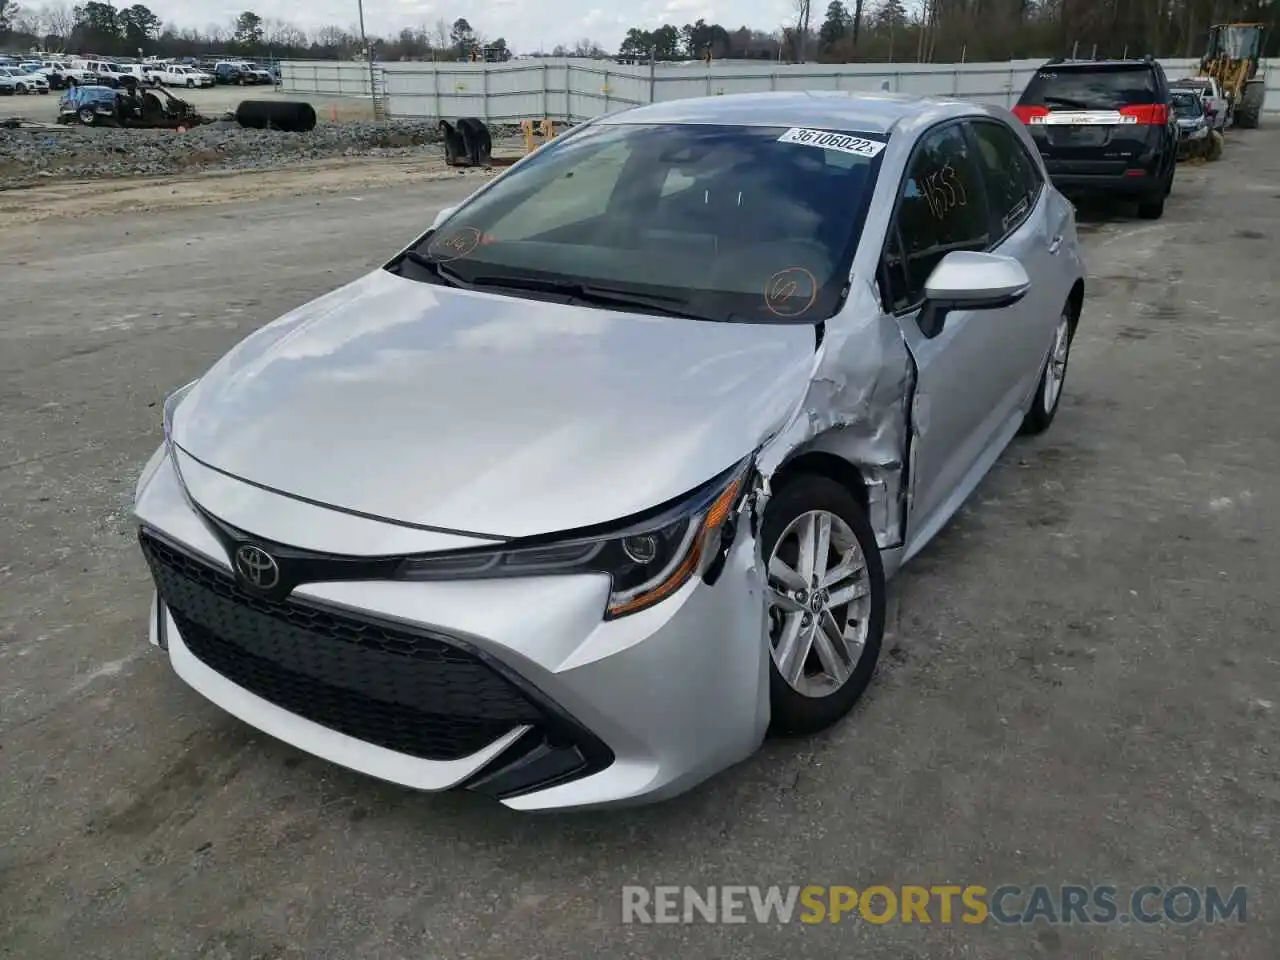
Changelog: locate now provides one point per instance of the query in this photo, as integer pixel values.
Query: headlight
(171, 404)
(647, 560)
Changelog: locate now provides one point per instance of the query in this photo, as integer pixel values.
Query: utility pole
(368, 52)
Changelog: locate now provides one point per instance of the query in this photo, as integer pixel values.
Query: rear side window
(1092, 88)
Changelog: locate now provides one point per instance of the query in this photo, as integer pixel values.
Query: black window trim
(996, 224)
(892, 229)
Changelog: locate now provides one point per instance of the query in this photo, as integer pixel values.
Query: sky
(527, 25)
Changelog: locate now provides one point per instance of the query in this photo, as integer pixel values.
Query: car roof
(818, 109)
(1094, 64)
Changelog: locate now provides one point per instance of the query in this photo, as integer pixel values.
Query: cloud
(527, 27)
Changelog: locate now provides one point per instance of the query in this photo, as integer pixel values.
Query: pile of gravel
(29, 155)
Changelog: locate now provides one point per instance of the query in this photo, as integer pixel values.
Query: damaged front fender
(854, 420)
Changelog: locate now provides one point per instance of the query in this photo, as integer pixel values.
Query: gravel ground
(1079, 685)
(35, 155)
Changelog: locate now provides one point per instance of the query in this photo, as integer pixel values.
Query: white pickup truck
(1215, 102)
(177, 75)
(103, 72)
(60, 74)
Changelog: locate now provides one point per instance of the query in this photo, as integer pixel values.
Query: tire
(1216, 144)
(191, 84)
(810, 702)
(1250, 109)
(87, 116)
(1152, 208)
(290, 116)
(1053, 378)
(22, 90)
(72, 83)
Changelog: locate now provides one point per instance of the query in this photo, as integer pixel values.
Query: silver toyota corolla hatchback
(601, 477)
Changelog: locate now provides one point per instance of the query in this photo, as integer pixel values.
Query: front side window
(1012, 177)
(751, 224)
(942, 207)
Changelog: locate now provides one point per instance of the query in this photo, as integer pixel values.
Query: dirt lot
(1081, 686)
(213, 101)
(154, 194)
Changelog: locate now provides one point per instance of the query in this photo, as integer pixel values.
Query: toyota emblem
(257, 567)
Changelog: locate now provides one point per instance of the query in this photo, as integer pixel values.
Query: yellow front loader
(1232, 57)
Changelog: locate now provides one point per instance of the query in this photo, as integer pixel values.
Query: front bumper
(514, 688)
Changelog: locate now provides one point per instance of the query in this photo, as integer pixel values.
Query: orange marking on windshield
(785, 286)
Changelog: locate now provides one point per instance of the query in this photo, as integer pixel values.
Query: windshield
(1236, 43)
(1187, 104)
(1092, 88)
(754, 224)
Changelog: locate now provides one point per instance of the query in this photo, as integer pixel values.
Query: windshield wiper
(595, 296)
(1067, 102)
(436, 269)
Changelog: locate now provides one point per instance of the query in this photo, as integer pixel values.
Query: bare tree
(440, 39)
(291, 35)
(59, 19)
(586, 47)
(331, 36)
(27, 20)
(802, 28)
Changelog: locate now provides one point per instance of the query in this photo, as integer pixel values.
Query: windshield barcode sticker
(858, 146)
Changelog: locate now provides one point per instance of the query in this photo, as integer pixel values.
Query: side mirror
(964, 280)
(442, 216)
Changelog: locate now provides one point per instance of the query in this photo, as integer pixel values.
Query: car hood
(488, 414)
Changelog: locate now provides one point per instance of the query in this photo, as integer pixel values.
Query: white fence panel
(330, 78)
(596, 88)
(574, 90)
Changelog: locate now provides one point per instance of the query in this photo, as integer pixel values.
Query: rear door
(1029, 224)
(1092, 120)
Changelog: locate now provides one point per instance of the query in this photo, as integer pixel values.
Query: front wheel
(87, 116)
(1049, 392)
(824, 602)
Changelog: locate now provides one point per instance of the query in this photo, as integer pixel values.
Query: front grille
(411, 692)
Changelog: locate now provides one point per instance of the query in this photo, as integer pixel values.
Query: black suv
(1104, 127)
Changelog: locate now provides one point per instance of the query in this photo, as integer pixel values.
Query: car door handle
(1055, 244)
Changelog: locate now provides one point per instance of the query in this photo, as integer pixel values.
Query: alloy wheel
(1056, 372)
(819, 603)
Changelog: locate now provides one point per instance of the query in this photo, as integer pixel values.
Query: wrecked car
(88, 105)
(601, 477)
(150, 108)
